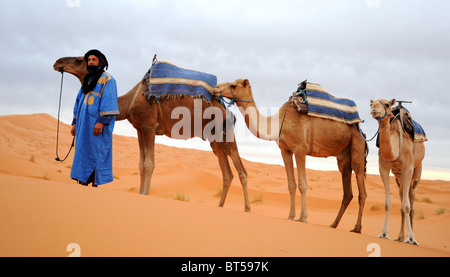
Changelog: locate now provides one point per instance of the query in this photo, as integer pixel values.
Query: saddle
(298, 98)
(405, 119)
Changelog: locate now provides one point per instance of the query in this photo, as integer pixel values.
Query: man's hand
(73, 130)
(98, 128)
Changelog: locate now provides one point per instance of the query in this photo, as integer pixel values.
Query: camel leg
(412, 193)
(234, 154)
(412, 197)
(227, 175)
(292, 187)
(141, 160)
(360, 180)
(302, 185)
(401, 234)
(358, 154)
(148, 164)
(384, 173)
(344, 164)
(406, 205)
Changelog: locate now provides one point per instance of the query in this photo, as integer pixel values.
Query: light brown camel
(148, 122)
(398, 152)
(302, 135)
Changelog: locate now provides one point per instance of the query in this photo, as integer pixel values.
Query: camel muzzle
(217, 91)
(375, 114)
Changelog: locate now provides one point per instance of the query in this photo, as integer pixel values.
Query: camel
(400, 154)
(300, 135)
(155, 119)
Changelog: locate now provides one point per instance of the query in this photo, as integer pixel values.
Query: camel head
(237, 90)
(381, 108)
(72, 65)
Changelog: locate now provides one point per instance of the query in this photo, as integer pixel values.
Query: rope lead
(57, 129)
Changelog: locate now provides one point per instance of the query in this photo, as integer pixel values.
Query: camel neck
(126, 101)
(262, 126)
(387, 142)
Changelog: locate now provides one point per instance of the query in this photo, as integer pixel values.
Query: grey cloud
(355, 50)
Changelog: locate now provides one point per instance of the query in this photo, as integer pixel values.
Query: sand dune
(42, 210)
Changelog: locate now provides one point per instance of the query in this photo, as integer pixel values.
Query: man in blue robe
(93, 123)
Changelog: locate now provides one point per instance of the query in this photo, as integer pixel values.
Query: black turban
(99, 55)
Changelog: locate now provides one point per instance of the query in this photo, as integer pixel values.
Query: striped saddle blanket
(324, 105)
(165, 79)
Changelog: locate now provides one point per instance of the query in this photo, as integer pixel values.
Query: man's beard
(90, 80)
(92, 68)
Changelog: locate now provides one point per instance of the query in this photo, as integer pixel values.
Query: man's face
(93, 61)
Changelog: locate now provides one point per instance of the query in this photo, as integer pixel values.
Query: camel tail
(366, 150)
(366, 153)
(359, 134)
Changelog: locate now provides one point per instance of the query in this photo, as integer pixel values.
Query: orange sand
(42, 210)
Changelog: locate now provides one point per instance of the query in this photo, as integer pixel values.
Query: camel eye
(387, 105)
(78, 61)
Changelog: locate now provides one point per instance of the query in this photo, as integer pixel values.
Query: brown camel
(400, 154)
(156, 119)
(303, 135)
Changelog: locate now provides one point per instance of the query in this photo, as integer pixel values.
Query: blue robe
(94, 153)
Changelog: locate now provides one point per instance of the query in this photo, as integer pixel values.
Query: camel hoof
(384, 236)
(411, 241)
(356, 230)
(302, 220)
(400, 239)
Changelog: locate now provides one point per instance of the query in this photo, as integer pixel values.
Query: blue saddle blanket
(166, 79)
(323, 104)
(419, 133)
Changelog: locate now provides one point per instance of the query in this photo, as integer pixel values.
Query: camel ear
(392, 102)
(371, 102)
(245, 83)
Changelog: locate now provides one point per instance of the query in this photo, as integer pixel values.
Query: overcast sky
(360, 49)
